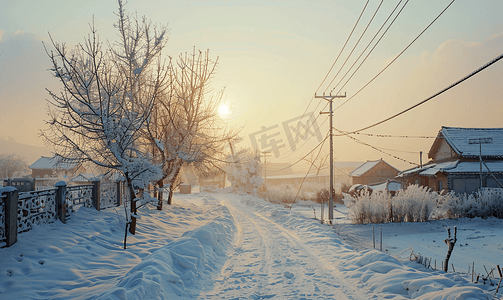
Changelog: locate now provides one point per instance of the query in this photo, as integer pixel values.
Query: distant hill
(29, 152)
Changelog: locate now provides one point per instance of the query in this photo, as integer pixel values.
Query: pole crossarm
(330, 98)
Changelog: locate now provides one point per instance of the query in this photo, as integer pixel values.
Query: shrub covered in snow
(419, 204)
(484, 203)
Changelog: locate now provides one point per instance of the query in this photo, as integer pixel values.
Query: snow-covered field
(227, 246)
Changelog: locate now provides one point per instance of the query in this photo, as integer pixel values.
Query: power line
(302, 158)
(370, 43)
(303, 179)
(376, 148)
(330, 70)
(351, 33)
(395, 136)
(357, 42)
(431, 97)
(394, 58)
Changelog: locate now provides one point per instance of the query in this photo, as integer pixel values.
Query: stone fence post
(11, 204)
(61, 200)
(96, 193)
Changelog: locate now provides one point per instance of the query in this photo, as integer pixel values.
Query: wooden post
(61, 200)
(381, 238)
(11, 203)
(119, 194)
(373, 237)
(96, 194)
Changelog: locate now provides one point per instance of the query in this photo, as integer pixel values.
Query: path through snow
(269, 260)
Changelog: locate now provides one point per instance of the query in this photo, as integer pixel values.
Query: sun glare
(224, 110)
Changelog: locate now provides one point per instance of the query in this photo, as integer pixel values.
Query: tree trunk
(450, 244)
(132, 226)
(172, 185)
(160, 184)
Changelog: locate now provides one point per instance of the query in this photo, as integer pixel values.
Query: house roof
(52, 163)
(461, 140)
(367, 166)
(452, 167)
(364, 168)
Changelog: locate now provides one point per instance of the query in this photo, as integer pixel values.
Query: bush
(418, 204)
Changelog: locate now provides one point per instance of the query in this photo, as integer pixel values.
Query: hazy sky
(273, 55)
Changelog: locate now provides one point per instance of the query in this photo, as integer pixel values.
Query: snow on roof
(474, 167)
(364, 168)
(51, 163)
(459, 139)
(439, 168)
(455, 167)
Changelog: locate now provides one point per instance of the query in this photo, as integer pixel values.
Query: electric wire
(330, 70)
(354, 47)
(396, 136)
(350, 34)
(429, 98)
(303, 179)
(417, 37)
(302, 158)
(370, 43)
(376, 148)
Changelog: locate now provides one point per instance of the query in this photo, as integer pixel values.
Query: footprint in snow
(288, 274)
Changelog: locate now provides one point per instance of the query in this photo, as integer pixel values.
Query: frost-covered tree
(186, 128)
(245, 171)
(11, 164)
(106, 101)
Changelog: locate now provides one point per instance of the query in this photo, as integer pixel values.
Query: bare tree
(186, 129)
(10, 164)
(107, 97)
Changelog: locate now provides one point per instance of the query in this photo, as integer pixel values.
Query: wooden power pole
(330, 99)
(265, 153)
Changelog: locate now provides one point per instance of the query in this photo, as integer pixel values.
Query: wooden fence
(19, 212)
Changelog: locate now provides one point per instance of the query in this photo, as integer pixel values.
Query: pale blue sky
(274, 54)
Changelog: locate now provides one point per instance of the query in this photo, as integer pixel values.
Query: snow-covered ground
(227, 246)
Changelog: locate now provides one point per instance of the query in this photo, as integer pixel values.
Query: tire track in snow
(270, 261)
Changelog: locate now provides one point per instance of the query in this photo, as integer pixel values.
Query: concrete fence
(20, 211)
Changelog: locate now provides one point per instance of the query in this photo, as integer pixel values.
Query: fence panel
(78, 196)
(35, 208)
(108, 194)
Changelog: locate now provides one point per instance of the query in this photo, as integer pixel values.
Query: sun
(224, 110)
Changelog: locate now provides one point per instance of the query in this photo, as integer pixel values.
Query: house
(342, 169)
(462, 160)
(49, 167)
(373, 172)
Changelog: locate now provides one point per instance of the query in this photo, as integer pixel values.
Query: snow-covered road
(269, 260)
(211, 246)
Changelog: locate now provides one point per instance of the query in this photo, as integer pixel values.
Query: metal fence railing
(37, 207)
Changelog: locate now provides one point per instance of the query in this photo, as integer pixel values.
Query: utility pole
(330, 99)
(266, 154)
(480, 141)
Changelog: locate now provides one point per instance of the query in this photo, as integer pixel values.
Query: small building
(49, 167)
(456, 156)
(373, 172)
